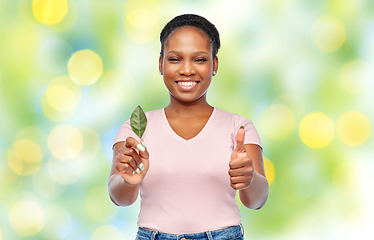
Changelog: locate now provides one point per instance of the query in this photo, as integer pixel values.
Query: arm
(256, 194)
(247, 173)
(123, 183)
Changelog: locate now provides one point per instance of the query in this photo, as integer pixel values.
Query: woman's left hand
(241, 164)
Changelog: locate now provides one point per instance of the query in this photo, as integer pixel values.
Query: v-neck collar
(179, 138)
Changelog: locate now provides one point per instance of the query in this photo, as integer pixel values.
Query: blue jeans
(230, 233)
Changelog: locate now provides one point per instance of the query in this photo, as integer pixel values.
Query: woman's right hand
(129, 159)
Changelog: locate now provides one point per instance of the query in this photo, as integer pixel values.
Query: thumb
(240, 140)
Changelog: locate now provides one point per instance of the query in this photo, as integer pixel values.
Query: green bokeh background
(268, 56)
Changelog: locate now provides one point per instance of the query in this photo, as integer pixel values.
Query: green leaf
(138, 121)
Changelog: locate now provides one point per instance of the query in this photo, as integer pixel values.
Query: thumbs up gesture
(241, 164)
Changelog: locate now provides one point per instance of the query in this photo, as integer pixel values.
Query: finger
(124, 168)
(238, 186)
(241, 162)
(132, 154)
(240, 139)
(236, 172)
(244, 171)
(236, 180)
(130, 161)
(132, 143)
(236, 163)
(128, 169)
(125, 159)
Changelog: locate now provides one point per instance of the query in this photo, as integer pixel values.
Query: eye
(201, 60)
(173, 59)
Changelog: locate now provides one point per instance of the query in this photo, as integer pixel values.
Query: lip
(187, 88)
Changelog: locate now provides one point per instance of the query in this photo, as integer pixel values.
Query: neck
(182, 109)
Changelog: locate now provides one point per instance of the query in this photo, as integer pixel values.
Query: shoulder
(235, 118)
(154, 113)
(234, 121)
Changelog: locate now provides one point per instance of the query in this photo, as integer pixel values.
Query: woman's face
(187, 64)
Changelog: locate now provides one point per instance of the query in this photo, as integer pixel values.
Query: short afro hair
(192, 20)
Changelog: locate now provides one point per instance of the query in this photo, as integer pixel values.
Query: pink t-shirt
(187, 187)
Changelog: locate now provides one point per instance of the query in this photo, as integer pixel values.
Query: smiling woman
(182, 178)
(187, 65)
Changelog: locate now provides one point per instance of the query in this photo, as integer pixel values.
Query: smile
(187, 83)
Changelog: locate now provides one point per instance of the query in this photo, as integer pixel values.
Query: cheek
(205, 71)
(170, 70)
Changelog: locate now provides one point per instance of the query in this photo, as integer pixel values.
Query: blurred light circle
(277, 121)
(353, 128)
(69, 20)
(269, 170)
(91, 144)
(53, 55)
(98, 204)
(85, 67)
(36, 135)
(16, 164)
(65, 142)
(28, 150)
(328, 34)
(7, 175)
(306, 173)
(49, 11)
(301, 179)
(58, 223)
(136, 18)
(316, 130)
(357, 77)
(113, 86)
(345, 178)
(61, 98)
(65, 172)
(26, 157)
(141, 22)
(26, 217)
(52, 113)
(44, 184)
(107, 232)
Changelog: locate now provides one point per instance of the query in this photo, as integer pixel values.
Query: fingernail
(143, 144)
(242, 127)
(141, 166)
(138, 170)
(133, 172)
(140, 147)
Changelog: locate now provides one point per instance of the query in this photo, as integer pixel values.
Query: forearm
(256, 194)
(121, 193)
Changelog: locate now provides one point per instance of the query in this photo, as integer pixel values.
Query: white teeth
(187, 84)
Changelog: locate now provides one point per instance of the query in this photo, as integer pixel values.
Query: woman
(197, 156)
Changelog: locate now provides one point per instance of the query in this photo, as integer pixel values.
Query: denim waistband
(234, 232)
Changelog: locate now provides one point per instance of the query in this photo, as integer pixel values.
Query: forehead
(188, 36)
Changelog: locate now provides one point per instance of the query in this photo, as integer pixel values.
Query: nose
(187, 69)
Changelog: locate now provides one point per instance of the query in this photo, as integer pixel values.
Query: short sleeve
(124, 132)
(251, 134)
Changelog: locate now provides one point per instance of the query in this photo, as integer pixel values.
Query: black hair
(192, 20)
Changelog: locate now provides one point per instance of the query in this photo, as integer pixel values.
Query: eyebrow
(197, 52)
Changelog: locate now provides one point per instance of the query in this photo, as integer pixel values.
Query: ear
(160, 64)
(215, 64)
